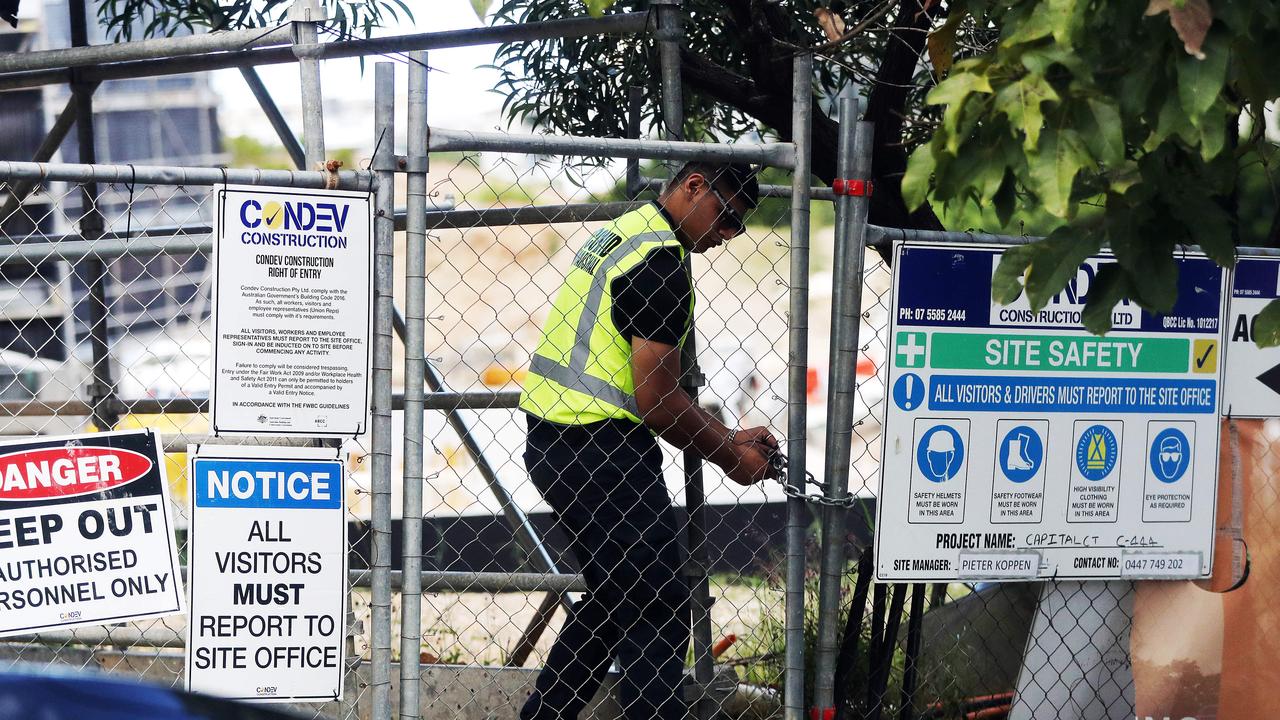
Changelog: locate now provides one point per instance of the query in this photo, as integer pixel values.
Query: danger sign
(85, 532)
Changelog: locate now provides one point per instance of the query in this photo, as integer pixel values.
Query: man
(602, 382)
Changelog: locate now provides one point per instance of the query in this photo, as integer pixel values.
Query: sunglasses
(729, 218)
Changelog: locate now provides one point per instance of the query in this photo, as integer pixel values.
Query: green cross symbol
(910, 349)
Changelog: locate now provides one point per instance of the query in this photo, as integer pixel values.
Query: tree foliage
(1136, 127)
(737, 60)
(1141, 128)
(1125, 126)
(137, 19)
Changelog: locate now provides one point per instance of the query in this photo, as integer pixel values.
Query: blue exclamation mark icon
(908, 392)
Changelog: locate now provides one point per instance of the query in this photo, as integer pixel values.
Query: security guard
(603, 381)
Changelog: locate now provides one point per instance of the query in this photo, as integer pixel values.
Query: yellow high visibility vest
(581, 370)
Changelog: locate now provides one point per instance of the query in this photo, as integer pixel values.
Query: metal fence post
(305, 16)
(635, 103)
(102, 387)
(670, 32)
(797, 367)
(383, 238)
(853, 163)
(414, 398)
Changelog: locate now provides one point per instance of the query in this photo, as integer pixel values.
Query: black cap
(739, 179)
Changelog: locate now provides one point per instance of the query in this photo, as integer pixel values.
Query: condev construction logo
(60, 472)
(294, 223)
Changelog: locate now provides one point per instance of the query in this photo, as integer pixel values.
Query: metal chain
(778, 461)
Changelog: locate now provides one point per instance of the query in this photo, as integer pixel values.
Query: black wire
(401, 57)
(265, 33)
(376, 146)
(128, 212)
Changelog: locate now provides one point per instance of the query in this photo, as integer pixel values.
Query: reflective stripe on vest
(574, 376)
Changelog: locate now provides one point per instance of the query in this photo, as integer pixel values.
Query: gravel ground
(482, 628)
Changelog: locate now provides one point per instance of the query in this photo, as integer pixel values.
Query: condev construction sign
(85, 532)
(292, 312)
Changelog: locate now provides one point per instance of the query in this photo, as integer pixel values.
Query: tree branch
(766, 96)
(886, 108)
(771, 108)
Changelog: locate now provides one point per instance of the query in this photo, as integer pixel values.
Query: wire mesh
(490, 290)
(157, 330)
(921, 651)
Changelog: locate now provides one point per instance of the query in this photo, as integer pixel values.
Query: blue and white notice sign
(1253, 374)
(1017, 445)
(292, 311)
(267, 561)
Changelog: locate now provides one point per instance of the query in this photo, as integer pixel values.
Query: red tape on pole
(853, 188)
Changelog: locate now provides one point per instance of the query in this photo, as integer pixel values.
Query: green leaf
(597, 7)
(915, 182)
(1107, 142)
(1055, 261)
(1053, 169)
(1005, 199)
(1006, 282)
(1066, 18)
(481, 7)
(1266, 330)
(1200, 81)
(1039, 24)
(1107, 289)
(1038, 60)
(1172, 122)
(991, 173)
(1213, 134)
(1124, 177)
(1208, 224)
(957, 87)
(1020, 102)
(1155, 277)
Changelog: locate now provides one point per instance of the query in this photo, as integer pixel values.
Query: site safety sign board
(268, 571)
(1252, 385)
(292, 311)
(85, 532)
(1017, 445)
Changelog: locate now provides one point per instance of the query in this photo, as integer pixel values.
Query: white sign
(85, 532)
(292, 311)
(1017, 445)
(268, 574)
(1252, 384)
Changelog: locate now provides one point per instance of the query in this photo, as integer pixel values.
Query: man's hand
(752, 450)
(669, 411)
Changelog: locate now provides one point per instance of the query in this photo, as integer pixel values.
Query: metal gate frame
(86, 66)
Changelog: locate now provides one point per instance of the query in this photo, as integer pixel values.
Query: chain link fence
(104, 318)
(489, 284)
(489, 287)
(490, 291)
(154, 250)
(490, 280)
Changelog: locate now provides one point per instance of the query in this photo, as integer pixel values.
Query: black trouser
(604, 482)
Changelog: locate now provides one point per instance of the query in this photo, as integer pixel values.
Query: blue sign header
(277, 484)
(948, 286)
(1257, 278)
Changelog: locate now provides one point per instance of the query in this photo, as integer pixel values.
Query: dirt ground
(482, 628)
